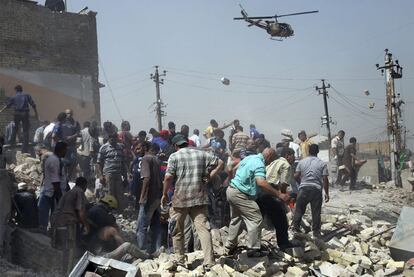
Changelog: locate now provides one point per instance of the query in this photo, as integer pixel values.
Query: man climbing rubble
(241, 194)
(312, 174)
(190, 195)
(278, 175)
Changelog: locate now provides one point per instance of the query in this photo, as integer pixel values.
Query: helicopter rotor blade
(254, 17)
(255, 23)
(290, 14)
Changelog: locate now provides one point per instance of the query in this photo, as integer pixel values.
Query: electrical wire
(110, 90)
(233, 82)
(230, 90)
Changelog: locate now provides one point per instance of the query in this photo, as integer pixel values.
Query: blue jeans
(149, 217)
(46, 205)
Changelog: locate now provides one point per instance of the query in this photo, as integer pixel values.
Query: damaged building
(53, 55)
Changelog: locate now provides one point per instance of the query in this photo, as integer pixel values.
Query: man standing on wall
(21, 102)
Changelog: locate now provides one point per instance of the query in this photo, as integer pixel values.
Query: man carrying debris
(351, 164)
(338, 150)
(241, 194)
(67, 218)
(21, 102)
(112, 168)
(191, 169)
(312, 174)
(278, 175)
(54, 183)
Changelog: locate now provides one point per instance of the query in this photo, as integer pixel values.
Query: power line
(110, 89)
(234, 82)
(233, 91)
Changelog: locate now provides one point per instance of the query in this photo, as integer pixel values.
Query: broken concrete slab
(294, 271)
(402, 242)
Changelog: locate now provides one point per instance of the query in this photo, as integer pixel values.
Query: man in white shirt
(196, 138)
(54, 183)
(84, 152)
(338, 150)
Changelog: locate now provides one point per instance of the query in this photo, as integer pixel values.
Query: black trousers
(23, 118)
(313, 196)
(275, 210)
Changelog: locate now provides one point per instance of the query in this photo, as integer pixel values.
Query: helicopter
(272, 27)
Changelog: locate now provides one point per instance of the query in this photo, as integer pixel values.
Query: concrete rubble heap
(27, 169)
(362, 250)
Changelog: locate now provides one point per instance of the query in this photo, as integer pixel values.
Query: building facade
(53, 55)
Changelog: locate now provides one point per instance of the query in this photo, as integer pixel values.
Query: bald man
(250, 174)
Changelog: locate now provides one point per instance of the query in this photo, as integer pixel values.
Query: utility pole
(326, 120)
(158, 104)
(393, 71)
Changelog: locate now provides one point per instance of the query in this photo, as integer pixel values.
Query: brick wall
(33, 38)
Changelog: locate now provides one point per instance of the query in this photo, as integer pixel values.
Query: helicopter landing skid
(276, 39)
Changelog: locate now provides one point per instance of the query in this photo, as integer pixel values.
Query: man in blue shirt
(241, 194)
(21, 102)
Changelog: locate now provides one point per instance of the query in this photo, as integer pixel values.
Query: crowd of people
(179, 187)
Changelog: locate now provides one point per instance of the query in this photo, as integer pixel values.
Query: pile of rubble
(27, 169)
(352, 245)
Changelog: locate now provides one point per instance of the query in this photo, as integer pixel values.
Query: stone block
(248, 262)
(294, 271)
(399, 266)
(344, 240)
(366, 233)
(329, 269)
(335, 243)
(220, 271)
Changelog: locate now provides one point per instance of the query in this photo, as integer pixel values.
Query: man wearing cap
(25, 207)
(21, 102)
(162, 139)
(190, 195)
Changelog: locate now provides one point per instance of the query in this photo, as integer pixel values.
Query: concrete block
(295, 271)
(402, 242)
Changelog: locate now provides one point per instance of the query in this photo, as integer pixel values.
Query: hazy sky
(272, 83)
